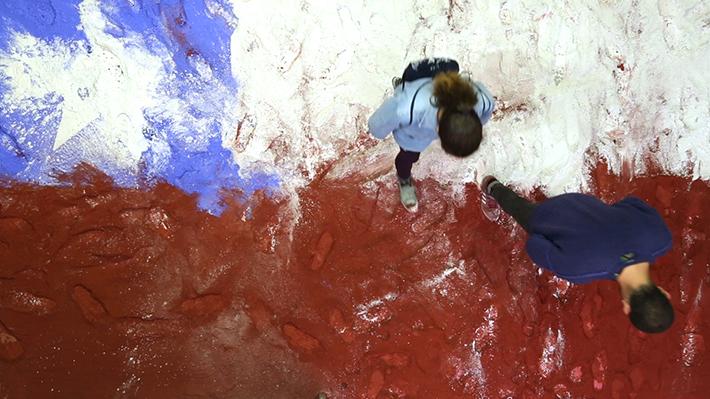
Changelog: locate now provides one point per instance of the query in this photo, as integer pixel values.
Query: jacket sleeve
(542, 251)
(487, 103)
(385, 119)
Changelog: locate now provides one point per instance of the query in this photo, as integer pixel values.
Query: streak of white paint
(438, 282)
(552, 358)
(574, 84)
(372, 311)
(692, 341)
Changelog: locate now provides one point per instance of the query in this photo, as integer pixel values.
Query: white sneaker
(489, 205)
(408, 194)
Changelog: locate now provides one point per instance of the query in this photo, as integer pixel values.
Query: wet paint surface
(128, 293)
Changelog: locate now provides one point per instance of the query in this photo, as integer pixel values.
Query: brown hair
(460, 128)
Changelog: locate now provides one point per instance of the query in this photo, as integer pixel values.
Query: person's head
(649, 309)
(460, 129)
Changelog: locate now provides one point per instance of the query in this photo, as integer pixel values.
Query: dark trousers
(514, 205)
(404, 162)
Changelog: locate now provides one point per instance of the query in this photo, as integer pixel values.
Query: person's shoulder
(418, 84)
(572, 201)
(575, 197)
(638, 204)
(406, 92)
(633, 200)
(404, 96)
(643, 209)
(419, 90)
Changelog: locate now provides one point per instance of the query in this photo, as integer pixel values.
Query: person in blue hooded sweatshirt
(431, 101)
(581, 239)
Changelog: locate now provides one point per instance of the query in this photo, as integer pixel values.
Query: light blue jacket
(393, 115)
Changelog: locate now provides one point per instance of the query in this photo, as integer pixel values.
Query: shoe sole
(490, 213)
(411, 209)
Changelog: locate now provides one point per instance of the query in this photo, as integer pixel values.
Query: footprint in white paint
(505, 14)
(671, 33)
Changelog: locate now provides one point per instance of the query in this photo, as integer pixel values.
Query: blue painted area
(187, 28)
(192, 158)
(210, 174)
(25, 139)
(12, 158)
(45, 19)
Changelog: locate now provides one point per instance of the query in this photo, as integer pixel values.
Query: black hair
(460, 128)
(651, 311)
(460, 132)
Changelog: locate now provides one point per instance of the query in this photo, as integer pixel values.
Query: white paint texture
(105, 89)
(312, 71)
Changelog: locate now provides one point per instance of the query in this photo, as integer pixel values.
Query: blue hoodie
(581, 239)
(393, 115)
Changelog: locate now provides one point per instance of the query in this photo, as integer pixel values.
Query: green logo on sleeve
(628, 257)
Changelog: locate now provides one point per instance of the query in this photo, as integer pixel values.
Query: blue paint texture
(187, 28)
(197, 35)
(210, 174)
(45, 19)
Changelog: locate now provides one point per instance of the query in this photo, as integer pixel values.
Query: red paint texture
(92, 310)
(110, 292)
(325, 244)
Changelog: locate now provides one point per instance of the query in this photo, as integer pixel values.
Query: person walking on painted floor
(431, 101)
(581, 239)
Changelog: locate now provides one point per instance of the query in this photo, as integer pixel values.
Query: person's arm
(542, 251)
(385, 119)
(486, 100)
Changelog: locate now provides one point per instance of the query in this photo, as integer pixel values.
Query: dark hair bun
(453, 92)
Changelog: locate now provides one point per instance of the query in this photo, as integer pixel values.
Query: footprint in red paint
(562, 392)
(619, 387)
(91, 308)
(25, 302)
(260, 314)
(396, 360)
(341, 327)
(377, 382)
(599, 367)
(325, 244)
(10, 347)
(637, 378)
(576, 375)
(300, 340)
(590, 312)
(203, 306)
